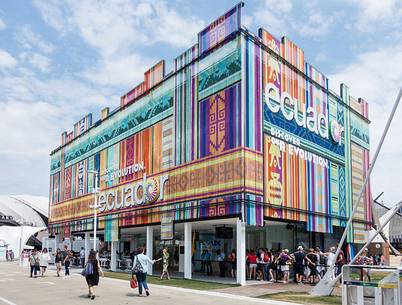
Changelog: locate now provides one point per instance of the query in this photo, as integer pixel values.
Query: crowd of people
(39, 261)
(9, 255)
(262, 264)
(308, 265)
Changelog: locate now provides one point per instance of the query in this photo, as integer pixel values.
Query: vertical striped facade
(242, 127)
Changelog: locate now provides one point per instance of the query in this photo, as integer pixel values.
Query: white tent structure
(21, 217)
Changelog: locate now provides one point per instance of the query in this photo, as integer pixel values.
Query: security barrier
(371, 285)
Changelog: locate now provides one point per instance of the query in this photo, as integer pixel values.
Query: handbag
(137, 266)
(88, 270)
(133, 282)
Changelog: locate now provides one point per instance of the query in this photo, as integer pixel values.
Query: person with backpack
(140, 269)
(34, 263)
(91, 273)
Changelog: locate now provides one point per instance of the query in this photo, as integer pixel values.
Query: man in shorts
(299, 257)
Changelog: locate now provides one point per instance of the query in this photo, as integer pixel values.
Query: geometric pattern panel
(219, 122)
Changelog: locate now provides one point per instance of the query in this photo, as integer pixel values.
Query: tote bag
(133, 282)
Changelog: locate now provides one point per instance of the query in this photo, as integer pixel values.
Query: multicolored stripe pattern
(186, 106)
(219, 29)
(298, 185)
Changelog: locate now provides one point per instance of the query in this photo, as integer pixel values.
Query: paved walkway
(17, 288)
(261, 288)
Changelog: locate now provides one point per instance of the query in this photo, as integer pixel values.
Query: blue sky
(62, 59)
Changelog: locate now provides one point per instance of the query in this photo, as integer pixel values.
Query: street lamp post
(95, 205)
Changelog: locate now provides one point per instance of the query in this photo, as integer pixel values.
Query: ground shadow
(131, 294)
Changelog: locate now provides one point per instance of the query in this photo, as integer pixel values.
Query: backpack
(137, 266)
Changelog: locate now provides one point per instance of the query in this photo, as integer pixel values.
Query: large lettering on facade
(139, 193)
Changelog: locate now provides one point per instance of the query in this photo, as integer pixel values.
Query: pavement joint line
(7, 301)
(213, 293)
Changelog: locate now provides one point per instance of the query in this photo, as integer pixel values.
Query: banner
(167, 227)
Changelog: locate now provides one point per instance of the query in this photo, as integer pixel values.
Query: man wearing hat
(299, 257)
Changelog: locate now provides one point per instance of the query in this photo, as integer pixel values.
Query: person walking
(58, 260)
(34, 263)
(165, 263)
(44, 261)
(92, 276)
(82, 257)
(140, 269)
(67, 262)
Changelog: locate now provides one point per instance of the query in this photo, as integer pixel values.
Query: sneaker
(147, 293)
(140, 295)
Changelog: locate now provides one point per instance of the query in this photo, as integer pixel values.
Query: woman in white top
(331, 259)
(140, 269)
(44, 261)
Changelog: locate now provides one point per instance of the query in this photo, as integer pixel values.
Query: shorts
(253, 266)
(299, 269)
(234, 265)
(58, 264)
(43, 267)
(285, 267)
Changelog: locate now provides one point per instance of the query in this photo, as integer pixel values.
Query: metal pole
(95, 208)
(325, 286)
(382, 226)
(371, 238)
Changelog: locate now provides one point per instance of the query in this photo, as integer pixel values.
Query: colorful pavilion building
(242, 145)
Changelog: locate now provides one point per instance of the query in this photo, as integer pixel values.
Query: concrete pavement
(17, 288)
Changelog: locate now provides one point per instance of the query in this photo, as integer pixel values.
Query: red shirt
(252, 259)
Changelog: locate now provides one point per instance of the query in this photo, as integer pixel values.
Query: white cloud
(374, 14)
(118, 30)
(285, 18)
(274, 16)
(40, 62)
(7, 60)
(127, 70)
(30, 40)
(376, 76)
(2, 24)
(30, 125)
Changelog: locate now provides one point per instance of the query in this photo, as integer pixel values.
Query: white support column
(241, 252)
(87, 245)
(187, 251)
(150, 248)
(113, 256)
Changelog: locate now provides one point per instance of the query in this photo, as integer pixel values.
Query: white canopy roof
(25, 208)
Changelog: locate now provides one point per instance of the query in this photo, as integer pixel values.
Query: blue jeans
(265, 270)
(142, 281)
